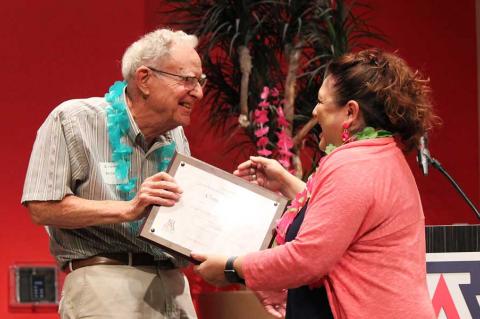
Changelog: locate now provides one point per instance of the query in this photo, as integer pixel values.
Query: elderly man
(95, 169)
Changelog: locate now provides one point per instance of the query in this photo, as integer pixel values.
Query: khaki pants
(110, 291)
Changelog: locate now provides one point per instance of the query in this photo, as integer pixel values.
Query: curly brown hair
(391, 96)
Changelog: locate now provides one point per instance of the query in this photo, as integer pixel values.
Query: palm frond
(319, 29)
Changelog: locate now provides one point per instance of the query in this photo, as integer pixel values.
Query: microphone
(423, 155)
(424, 159)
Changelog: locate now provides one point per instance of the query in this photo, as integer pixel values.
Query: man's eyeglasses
(189, 81)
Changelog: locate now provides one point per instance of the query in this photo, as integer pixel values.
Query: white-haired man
(95, 168)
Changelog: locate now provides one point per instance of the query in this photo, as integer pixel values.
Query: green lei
(366, 134)
(118, 125)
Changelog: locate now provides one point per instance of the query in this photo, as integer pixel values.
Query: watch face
(231, 273)
(233, 277)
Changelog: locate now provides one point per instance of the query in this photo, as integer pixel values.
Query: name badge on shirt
(108, 173)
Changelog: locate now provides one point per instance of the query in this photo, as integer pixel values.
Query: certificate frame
(163, 226)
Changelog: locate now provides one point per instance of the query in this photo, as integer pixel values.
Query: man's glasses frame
(190, 81)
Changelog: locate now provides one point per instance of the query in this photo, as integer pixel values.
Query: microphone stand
(437, 165)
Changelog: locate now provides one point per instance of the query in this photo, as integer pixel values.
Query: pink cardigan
(363, 234)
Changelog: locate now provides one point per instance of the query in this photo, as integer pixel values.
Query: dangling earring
(345, 133)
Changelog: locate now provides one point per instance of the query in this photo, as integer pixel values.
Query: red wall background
(54, 50)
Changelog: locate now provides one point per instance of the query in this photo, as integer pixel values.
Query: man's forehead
(181, 58)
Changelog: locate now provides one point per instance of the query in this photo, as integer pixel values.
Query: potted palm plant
(265, 60)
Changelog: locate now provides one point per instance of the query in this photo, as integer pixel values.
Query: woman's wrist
(231, 273)
(291, 185)
(237, 264)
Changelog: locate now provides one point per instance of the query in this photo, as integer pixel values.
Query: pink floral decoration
(262, 142)
(285, 142)
(264, 104)
(261, 116)
(265, 93)
(261, 131)
(270, 98)
(292, 210)
(274, 92)
(282, 120)
(264, 152)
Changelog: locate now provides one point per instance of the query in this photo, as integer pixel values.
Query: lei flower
(365, 134)
(260, 120)
(270, 100)
(118, 125)
(292, 210)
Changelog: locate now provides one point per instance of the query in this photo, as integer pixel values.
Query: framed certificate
(218, 213)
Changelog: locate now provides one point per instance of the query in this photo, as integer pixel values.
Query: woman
(355, 232)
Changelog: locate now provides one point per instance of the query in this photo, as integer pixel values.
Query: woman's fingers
(259, 160)
(244, 165)
(277, 313)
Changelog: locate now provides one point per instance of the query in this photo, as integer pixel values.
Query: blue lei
(118, 125)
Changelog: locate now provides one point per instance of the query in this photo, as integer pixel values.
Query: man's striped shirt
(69, 157)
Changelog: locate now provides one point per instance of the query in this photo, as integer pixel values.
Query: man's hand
(75, 212)
(159, 189)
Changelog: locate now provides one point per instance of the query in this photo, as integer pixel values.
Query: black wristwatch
(230, 272)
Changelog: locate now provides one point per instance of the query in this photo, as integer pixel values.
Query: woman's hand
(274, 302)
(211, 268)
(270, 174)
(262, 171)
